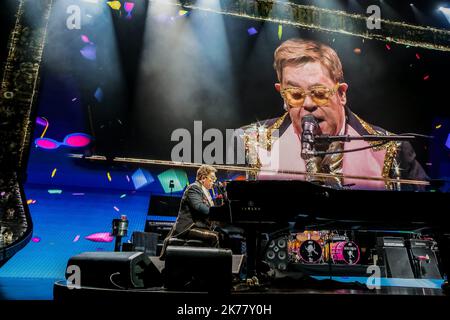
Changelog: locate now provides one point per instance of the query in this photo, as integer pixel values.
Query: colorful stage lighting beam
(141, 178)
(177, 178)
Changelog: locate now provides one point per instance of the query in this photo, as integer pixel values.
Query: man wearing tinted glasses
(311, 82)
(193, 216)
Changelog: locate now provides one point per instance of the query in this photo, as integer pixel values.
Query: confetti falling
(438, 126)
(89, 52)
(128, 178)
(182, 12)
(426, 77)
(109, 176)
(115, 208)
(417, 56)
(252, 31)
(115, 5)
(128, 6)
(76, 238)
(100, 237)
(98, 94)
(78, 194)
(36, 239)
(74, 99)
(357, 51)
(85, 39)
(280, 31)
(54, 191)
(31, 201)
(123, 196)
(54, 172)
(388, 47)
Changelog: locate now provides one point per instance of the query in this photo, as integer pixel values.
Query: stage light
(446, 12)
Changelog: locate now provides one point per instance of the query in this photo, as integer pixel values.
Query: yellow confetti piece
(438, 126)
(182, 12)
(109, 176)
(53, 172)
(115, 5)
(280, 31)
(29, 201)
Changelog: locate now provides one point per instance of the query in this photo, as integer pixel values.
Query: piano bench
(186, 242)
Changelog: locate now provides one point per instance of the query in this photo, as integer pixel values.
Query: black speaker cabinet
(393, 255)
(199, 269)
(424, 259)
(114, 270)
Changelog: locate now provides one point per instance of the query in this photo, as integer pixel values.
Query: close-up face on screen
(200, 86)
(218, 146)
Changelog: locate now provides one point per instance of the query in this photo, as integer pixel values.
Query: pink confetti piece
(76, 238)
(417, 56)
(426, 77)
(85, 38)
(36, 239)
(117, 209)
(3, 193)
(388, 47)
(100, 237)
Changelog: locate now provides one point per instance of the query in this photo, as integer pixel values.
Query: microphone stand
(382, 139)
(348, 138)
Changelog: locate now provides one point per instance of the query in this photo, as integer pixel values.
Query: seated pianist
(193, 216)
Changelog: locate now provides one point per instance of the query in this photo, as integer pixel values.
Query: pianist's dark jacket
(193, 212)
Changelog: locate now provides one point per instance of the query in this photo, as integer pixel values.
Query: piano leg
(252, 249)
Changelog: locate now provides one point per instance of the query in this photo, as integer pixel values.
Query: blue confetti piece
(98, 94)
(89, 52)
(252, 31)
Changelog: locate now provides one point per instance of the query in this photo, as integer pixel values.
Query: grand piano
(255, 205)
